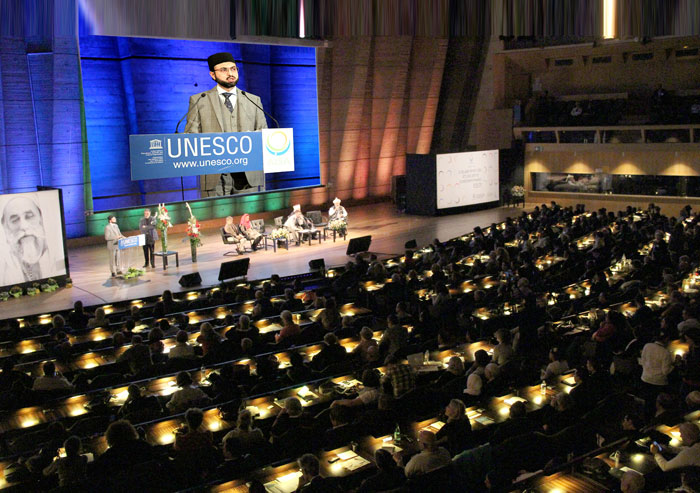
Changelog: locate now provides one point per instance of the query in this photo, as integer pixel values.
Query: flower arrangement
(280, 233)
(517, 191)
(193, 230)
(339, 225)
(133, 273)
(162, 224)
(69, 282)
(49, 286)
(15, 291)
(34, 289)
(4, 296)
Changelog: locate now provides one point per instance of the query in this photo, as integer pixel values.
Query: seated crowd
(536, 297)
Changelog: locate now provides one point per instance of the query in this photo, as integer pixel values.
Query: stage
(93, 284)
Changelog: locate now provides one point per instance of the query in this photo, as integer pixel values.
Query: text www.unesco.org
(210, 162)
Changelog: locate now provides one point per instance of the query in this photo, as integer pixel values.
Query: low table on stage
(165, 255)
(343, 234)
(268, 238)
(125, 246)
(309, 235)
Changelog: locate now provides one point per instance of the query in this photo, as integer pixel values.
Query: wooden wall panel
(377, 101)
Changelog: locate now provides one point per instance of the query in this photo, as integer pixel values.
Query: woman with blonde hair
(455, 368)
(247, 434)
(456, 434)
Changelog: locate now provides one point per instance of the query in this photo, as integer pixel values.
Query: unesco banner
(174, 155)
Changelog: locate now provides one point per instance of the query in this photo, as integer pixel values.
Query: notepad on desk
(484, 420)
(355, 463)
(512, 400)
(348, 454)
(285, 484)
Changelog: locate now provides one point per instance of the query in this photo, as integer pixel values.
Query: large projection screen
(467, 178)
(143, 86)
(32, 246)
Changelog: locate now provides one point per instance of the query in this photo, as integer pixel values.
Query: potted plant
(133, 273)
(69, 282)
(4, 295)
(15, 291)
(193, 230)
(49, 286)
(340, 226)
(278, 234)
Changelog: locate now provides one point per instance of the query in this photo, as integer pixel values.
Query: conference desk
(569, 482)
(162, 387)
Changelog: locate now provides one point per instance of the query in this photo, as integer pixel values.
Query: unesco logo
(277, 143)
(156, 144)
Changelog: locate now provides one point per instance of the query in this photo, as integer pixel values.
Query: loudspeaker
(189, 280)
(234, 268)
(317, 265)
(398, 188)
(410, 244)
(358, 245)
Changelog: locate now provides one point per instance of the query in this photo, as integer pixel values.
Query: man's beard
(225, 83)
(28, 245)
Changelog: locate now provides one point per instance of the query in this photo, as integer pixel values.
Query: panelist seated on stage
(234, 236)
(246, 228)
(337, 212)
(297, 222)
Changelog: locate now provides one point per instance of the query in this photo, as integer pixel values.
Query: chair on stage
(228, 240)
(258, 225)
(317, 219)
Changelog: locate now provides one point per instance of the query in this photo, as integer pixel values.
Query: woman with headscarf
(247, 230)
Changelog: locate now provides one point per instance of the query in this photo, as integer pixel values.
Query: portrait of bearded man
(28, 256)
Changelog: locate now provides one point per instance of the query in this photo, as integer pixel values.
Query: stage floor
(93, 284)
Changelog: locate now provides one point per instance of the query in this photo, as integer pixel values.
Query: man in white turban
(28, 257)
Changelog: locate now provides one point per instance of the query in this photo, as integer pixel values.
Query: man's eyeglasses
(231, 70)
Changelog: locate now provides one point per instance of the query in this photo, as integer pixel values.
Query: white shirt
(181, 350)
(475, 382)
(555, 368)
(221, 91)
(182, 399)
(657, 363)
(427, 461)
(687, 456)
(51, 383)
(502, 353)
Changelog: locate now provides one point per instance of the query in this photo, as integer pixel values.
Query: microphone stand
(260, 108)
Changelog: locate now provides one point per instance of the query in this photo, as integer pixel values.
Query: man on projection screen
(226, 109)
(27, 256)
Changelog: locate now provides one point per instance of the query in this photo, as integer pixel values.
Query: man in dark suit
(331, 352)
(224, 108)
(147, 226)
